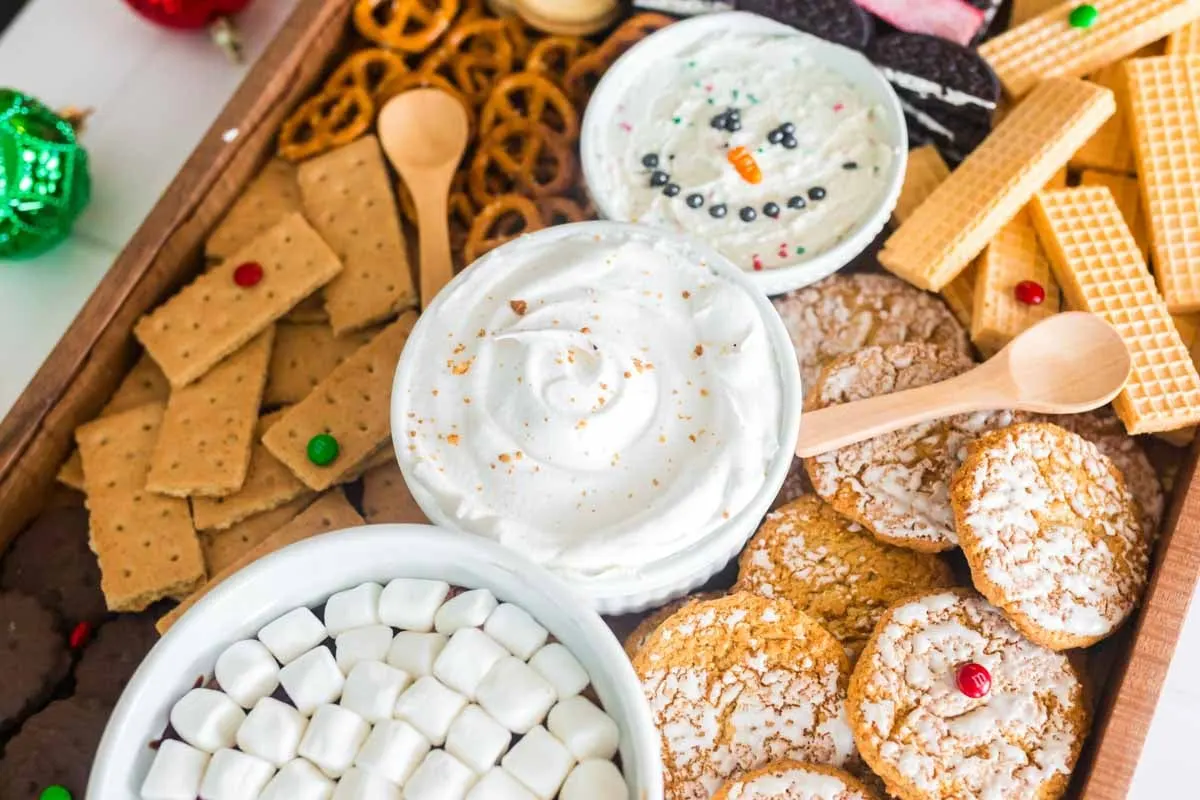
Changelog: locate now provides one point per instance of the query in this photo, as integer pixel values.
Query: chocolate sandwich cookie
(33, 655)
(947, 91)
(54, 748)
(110, 661)
(838, 21)
(52, 562)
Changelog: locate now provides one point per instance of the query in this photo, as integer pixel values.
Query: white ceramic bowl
(306, 574)
(658, 581)
(642, 59)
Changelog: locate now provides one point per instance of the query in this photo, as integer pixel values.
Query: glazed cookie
(844, 313)
(637, 638)
(794, 780)
(1051, 533)
(35, 655)
(897, 485)
(833, 570)
(771, 675)
(948, 700)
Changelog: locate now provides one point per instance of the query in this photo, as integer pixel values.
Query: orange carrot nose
(743, 161)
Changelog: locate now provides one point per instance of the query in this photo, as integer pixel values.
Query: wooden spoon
(424, 133)
(1066, 364)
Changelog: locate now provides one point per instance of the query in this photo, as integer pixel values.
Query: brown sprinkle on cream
(519, 307)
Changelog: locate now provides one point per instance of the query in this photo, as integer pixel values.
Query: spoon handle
(436, 265)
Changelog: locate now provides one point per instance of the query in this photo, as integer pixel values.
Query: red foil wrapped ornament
(193, 15)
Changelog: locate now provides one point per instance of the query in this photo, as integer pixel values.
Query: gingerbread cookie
(844, 313)
(948, 700)
(771, 675)
(794, 780)
(55, 747)
(52, 562)
(110, 661)
(897, 485)
(833, 570)
(1051, 532)
(637, 638)
(35, 657)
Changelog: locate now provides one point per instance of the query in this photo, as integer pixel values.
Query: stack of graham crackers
(200, 462)
(1084, 186)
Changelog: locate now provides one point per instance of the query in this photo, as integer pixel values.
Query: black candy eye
(748, 214)
(659, 178)
(718, 210)
(650, 160)
(816, 193)
(850, 165)
(695, 200)
(788, 128)
(775, 136)
(790, 142)
(671, 189)
(797, 202)
(771, 210)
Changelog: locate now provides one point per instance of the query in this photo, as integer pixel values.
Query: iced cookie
(1052, 533)
(771, 675)
(897, 485)
(637, 638)
(948, 700)
(844, 313)
(794, 780)
(833, 570)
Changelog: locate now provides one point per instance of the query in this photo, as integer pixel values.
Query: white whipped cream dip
(596, 398)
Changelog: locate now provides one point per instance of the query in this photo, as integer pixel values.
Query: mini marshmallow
(540, 762)
(312, 679)
(468, 656)
(467, 610)
(207, 719)
(441, 776)
(293, 635)
(272, 731)
(415, 652)
(564, 672)
(372, 689)
(513, 627)
(586, 730)
(298, 780)
(362, 644)
(333, 739)
(247, 672)
(595, 780)
(176, 772)
(232, 775)
(410, 604)
(393, 750)
(353, 608)
(476, 739)
(359, 785)
(516, 695)
(497, 784)
(430, 707)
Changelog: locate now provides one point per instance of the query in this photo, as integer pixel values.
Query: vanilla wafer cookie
(1111, 147)
(1025, 10)
(924, 172)
(1017, 735)
(1049, 46)
(987, 190)
(1166, 138)
(797, 781)
(1051, 532)
(833, 569)
(1128, 197)
(272, 195)
(1184, 41)
(897, 485)
(959, 294)
(1004, 297)
(774, 677)
(1099, 267)
(638, 637)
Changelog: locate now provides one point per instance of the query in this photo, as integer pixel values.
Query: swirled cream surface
(594, 402)
(748, 141)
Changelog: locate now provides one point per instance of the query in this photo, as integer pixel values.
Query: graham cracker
(1129, 199)
(204, 445)
(145, 543)
(348, 196)
(987, 190)
(925, 171)
(384, 454)
(224, 547)
(309, 310)
(269, 484)
(1048, 46)
(386, 497)
(213, 316)
(351, 404)
(1184, 41)
(331, 511)
(1165, 119)
(271, 196)
(1101, 270)
(1111, 148)
(303, 356)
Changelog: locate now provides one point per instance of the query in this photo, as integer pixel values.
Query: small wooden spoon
(424, 133)
(1066, 364)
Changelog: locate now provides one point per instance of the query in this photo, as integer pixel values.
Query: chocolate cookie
(52, 562)
(110, 661)
(838, 21)
(55, 746)
(33, 655)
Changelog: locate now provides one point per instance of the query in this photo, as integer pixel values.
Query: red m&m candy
(248, 274)
(973, 680)
(1030, 293)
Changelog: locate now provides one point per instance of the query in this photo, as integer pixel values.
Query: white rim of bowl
(664, 42)
(684, 571)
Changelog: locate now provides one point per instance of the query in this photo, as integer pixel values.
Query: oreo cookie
(55, 747)
(838, 21)
(51, 561)
(111, 659)
(948, 92)
(684, 8)
(33, 656)
(990, 9)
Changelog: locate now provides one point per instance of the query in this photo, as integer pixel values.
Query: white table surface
(154, 93)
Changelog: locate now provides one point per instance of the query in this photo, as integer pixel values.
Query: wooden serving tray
(96, 351)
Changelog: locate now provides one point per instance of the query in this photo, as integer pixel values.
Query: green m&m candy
(1083, 16)
(322, 449)
(54, 792)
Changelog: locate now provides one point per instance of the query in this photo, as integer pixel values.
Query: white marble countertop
(154, 93)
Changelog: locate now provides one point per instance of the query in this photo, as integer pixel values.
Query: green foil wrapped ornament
(44, 181)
